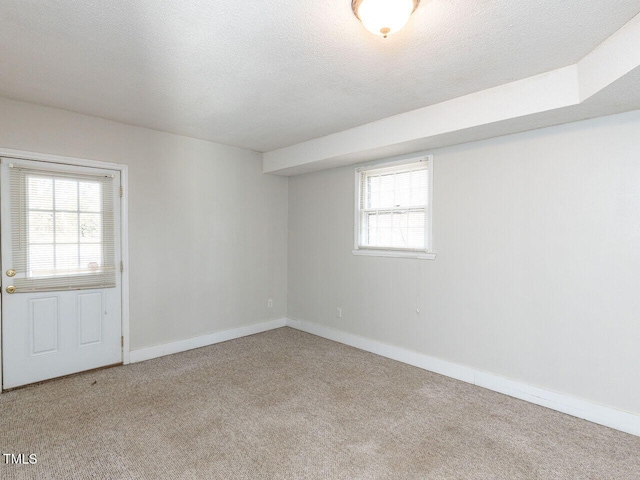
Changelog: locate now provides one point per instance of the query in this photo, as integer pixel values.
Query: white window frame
(423, 254)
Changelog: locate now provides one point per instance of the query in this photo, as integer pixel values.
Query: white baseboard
(202, 341)
(593, 412)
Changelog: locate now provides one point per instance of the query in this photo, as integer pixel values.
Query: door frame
(124, 227)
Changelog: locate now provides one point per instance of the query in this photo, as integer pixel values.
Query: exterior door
(61, 280)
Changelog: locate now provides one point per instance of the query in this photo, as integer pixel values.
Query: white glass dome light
(384, 17)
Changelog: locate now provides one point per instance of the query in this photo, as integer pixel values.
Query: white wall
(208, 231)
(537, 276)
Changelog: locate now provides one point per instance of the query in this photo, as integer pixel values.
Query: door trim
(124, 226)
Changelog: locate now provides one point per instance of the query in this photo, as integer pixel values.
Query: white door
(61, 281)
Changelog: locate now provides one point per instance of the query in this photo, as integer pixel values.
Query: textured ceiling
(264, 75)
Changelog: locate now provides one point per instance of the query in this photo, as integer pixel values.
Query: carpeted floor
(285, 404)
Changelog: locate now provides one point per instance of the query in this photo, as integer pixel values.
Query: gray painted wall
(537, 276)
(537, 237)
(207, 230)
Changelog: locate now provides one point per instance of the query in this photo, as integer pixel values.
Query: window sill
(395, 254)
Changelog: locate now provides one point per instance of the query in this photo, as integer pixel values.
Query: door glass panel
(40, 227)
(90, 255)
(66, 194)
(66, 227)
(90, 195)
(41, 260)
(90, 228)
(40, 193)
(65, 231)
(66, 258)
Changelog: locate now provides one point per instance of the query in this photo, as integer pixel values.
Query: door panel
(43, 313)
(90, 317)
(64, 315)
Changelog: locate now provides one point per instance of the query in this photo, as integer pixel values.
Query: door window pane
(90, 195)
(66, 227)
(66, 194)
(66, 257)
(90, 256)
(63, 223)
(40, 193)
(65, 230)
(40, 227)
(90, 227)
(41, 260)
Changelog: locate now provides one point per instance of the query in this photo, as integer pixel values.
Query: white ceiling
(266, 75)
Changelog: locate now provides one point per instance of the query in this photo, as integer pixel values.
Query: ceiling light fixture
(384, 17)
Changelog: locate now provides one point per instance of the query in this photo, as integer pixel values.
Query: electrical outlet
(339, 312)
(270, 303)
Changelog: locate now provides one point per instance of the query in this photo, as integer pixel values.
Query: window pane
(419, 187)
(40, 193)
(372, 195)
(403, 189)
(384, 220)
(41, 260)
(384, 229)
(90, 227)
(398, 229)
(384, 237)
(90, 256)
(90, 197)
(416, 231)
(66, 257)
(66, 227)
(399, 239)
(373, 220)
(386, 191)
(416, 238)
(371, 236)
(416, 219)
(40, 227)
(66, 194)
(399, 219)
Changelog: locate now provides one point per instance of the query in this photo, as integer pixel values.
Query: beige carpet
(285, 404)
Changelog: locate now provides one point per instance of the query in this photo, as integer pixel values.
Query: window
(63, 230)
(393, 210)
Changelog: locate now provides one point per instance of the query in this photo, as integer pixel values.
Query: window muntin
(393, 207)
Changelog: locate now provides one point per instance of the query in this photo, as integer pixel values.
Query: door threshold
(5, 390)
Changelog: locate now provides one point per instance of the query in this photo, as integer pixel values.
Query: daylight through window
(394, 207)
(65, 226)
(63, 230)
